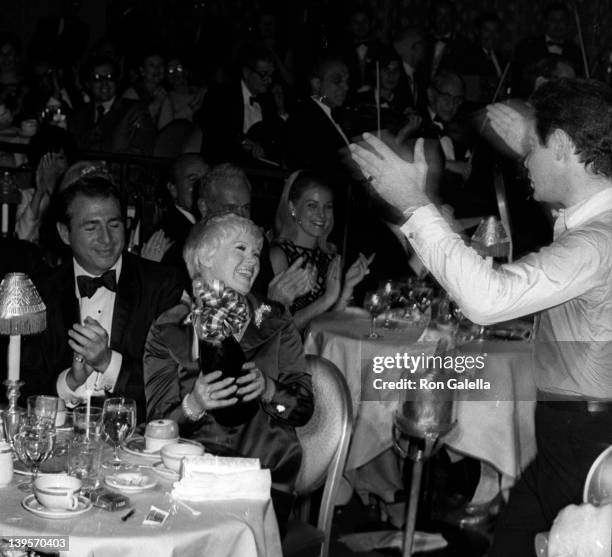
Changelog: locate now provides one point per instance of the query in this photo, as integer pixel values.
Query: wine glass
(33, 444)
(118, 422)
(422, 295)
(391, 292)
(374, 304)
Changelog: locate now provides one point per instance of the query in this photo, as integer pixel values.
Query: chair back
(325, 439)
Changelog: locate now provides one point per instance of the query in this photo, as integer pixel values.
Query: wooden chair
(325, 442)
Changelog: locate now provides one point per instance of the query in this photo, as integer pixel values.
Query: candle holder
(12, 415)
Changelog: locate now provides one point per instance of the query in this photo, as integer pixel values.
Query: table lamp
(22, 312)
(491, 239)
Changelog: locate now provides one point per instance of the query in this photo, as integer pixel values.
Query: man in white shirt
(100, 304)
(569, 160)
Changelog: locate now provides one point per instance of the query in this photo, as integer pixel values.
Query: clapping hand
(358, 270)
(90, 341)
(510, 125)
(156, 246)
(398, 182)
(293, 282)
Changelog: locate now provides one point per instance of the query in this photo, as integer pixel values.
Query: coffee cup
(159, 433)
(57, 491)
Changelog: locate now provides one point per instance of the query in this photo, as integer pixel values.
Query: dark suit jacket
(126, 128)
(312, 139)
(404, 92)
(175, 225)
(145, 290)
(221, 119)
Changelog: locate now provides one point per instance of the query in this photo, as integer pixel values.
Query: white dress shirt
(252, 112)
(568, 281)
(100, 307)
(327, 111)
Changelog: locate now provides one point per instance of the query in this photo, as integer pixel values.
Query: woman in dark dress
(222, 257)
(304, 220)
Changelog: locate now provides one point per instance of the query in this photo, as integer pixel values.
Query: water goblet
(374, 304)
(391, 292)
(422, 296)
(43, 406)
(33, 444)
(118, 423)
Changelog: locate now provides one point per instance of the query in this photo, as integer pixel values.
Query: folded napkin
(214, 478)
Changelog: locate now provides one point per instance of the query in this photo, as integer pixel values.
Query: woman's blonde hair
(206, 237)
(285, 225)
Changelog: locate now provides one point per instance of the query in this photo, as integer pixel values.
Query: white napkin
(213, 478)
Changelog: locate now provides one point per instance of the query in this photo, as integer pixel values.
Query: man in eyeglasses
(243, 121)
(108, 123)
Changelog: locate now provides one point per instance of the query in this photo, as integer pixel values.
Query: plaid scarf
(217, 312)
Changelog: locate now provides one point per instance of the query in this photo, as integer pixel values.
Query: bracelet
(189, 412)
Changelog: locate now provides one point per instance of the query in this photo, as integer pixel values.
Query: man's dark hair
(253, 53)
(93, 187)
(487, 17)
(582, 108)
(324, 62)
(544, 67)
(180, 161)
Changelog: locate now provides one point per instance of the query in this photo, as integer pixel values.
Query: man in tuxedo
(109, 123)
(100, 305)
(410, 46)
(187, 173)
(240, 121)
(553, 41)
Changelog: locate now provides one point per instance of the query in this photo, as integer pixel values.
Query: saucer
(164, 472)
(131, 482)
(136, 446)
(30, 503)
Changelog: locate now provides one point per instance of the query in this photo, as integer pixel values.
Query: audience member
(314, 137)
(550, 67)
(226, 248)
(554, 40)
(410, 46)
(109, 123)
(149, 89)
(304, 220)
(100, 304)
(184, 96)
(241, 121)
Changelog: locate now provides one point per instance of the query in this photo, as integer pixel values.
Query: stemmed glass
(43, 407)
(422, 296)
(118, 422)
(34, 444)
(391, 292)
(374, 304)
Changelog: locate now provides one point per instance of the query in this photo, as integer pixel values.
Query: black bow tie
(89, 285)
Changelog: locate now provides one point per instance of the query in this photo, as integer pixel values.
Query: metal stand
(13, 414)
(422, 445)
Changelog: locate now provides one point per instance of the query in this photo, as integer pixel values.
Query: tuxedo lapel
(125, 301)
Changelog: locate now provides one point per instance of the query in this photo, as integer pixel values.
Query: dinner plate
(30, 503)
(136, 446)
(164, 472)
(131, 482)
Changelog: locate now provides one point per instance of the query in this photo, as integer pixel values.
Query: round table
(238, 528)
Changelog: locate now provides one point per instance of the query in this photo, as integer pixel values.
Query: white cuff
(108, 379)
(70, 397)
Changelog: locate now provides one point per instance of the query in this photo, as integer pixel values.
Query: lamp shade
(491, 238)
(22, 311)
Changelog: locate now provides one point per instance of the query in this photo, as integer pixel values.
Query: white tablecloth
(499, 430)
(224, 529)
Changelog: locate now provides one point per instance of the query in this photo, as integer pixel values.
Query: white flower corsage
(260, 313)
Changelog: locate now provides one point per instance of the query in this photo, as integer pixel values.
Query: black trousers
(569, 439)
